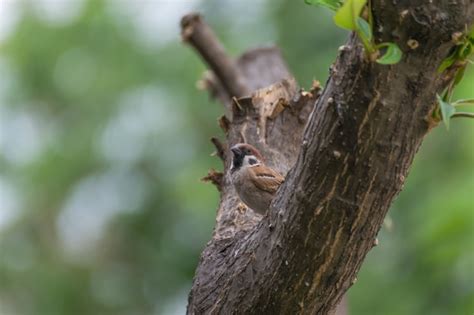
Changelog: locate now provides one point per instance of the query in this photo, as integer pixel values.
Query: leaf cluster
(458, 59)
(348, 16)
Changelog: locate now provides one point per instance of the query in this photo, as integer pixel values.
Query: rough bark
(345, 163)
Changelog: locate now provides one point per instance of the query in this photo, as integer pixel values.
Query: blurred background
(104, 137)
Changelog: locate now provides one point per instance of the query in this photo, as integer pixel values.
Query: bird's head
(244, 155)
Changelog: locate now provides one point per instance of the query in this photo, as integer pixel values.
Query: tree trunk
(345, 151)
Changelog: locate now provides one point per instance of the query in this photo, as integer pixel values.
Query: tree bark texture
(345, 150)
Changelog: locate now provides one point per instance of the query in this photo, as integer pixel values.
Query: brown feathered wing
(265, 178)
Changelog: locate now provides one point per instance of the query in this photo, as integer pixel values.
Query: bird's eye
(252, 161)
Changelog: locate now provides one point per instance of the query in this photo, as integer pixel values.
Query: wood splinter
(215, 177)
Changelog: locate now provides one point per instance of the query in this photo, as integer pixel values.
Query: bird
(254, 182)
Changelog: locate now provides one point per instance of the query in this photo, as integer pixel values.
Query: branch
(202, 38)
(343, 170)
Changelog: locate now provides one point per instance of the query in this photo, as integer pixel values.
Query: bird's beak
(236, 151)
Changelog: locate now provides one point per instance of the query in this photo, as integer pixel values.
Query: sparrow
(255, 183)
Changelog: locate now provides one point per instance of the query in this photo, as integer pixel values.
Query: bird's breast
(249, 194)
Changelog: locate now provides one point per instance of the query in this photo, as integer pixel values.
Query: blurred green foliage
(103, 139)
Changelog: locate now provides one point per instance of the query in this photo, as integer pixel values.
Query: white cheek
(247, 159)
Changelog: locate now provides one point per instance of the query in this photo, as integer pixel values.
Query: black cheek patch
(237, 162)
(252, 161)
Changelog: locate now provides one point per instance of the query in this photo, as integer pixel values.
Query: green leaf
(465, 50)
(392, 55)
(329, 4)
(447, 110)
(447, 62)
(459, 75)
(364, 29)
(347, 15)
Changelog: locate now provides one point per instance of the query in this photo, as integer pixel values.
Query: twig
(224, 123)
(463, 114)
(219, 147)
(214, 177)
(199, 35)
(210, 83)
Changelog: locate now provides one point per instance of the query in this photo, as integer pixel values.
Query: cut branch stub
(202, 38)
(275, 129)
